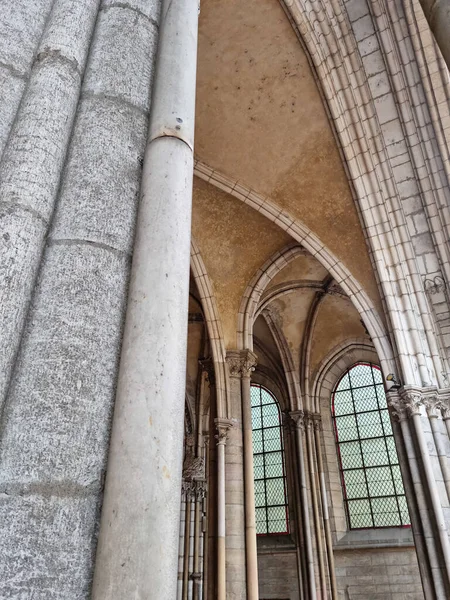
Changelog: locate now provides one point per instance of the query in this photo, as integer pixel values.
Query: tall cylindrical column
(251, 553)
(298, 418)
(235, 541)
(57, 414)
(314, 495)
(187, 540)
(137, 548)
(325, 513)
(21, 26)
(222, 426)
(32, 163)
(427, 496)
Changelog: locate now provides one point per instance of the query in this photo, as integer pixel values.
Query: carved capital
(317, 421)
(200, 489)
(193, 467)
(433, 405)
(187, 490)
(222, 426)
(413, 400)
(445, 408)
(241, 363)
(397, 407)
(298, 417)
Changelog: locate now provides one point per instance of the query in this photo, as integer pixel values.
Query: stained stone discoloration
(148, 8)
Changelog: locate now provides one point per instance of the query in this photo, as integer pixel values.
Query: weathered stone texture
(277, 574)
(100, 192)
(53, 563)
(55, 429)
(33, 160)
(385, 574)
(21, 25)
(55, 425)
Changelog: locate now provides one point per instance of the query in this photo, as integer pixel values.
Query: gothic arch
(214, 326)
(304, 236)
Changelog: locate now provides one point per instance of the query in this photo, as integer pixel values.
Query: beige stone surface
(234, 241)
(260, 120)
(337, 321)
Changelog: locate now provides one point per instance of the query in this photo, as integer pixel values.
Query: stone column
(248, 363)
(326, 518)
(21, 26)
(309, 430)
(299, 419)
(242, 567)
(33, 160)
(189, 493)
(223, 426)
(137, 548)
(200, 492)
(57, 413)
(427, 494)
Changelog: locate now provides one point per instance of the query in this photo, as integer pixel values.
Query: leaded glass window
(268, 463)
(371, 479)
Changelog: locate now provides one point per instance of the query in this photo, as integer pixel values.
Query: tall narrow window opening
(371, 478)
(268, 461)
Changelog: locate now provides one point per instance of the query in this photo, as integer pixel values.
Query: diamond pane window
(268, 464)
(373, 488)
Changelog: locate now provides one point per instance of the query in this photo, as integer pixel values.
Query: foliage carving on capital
(433, 405)
(405, 404)
(187, 489)
(397, 406)
(193, 467)
(222, 426)
(412, 400)
(200, 489)
(317, 421)
(241, 363)
(298, 417)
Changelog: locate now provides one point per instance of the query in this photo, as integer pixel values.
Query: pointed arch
(214, 327)
(309, 241)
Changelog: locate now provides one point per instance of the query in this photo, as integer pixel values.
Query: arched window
(371, 478)
(268, 462)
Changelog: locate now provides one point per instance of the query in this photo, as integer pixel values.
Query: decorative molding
(298, 418)
(241, 363)
(187, 490)
(193, 467)
(408, 401)
(222, 426)
(434, 285)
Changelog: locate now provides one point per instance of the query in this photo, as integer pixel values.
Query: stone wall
(277, 575)
(378, 574)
